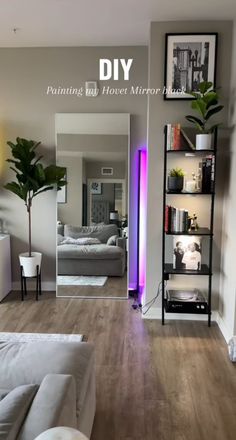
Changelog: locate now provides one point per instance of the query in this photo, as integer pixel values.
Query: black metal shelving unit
(206, 269)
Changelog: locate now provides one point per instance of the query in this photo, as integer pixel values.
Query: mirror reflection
(92, 215)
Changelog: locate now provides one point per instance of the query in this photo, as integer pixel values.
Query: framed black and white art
(62, 193)
(96, 188)
(190, 59)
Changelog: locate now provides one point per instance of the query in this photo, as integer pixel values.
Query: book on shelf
(176, 220)
(207, 171)
(177, 138)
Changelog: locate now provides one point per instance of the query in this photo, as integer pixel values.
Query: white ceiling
(97, 22)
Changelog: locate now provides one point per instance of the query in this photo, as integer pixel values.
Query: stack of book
(177, 139)
(207, 172)
(176, 220)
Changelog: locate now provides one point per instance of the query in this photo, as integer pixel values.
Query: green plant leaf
(47, 188)
(176, 172)
(54, 174)
(200, 106)
(196, 121)
(211, 98)
(213, 111)
(15, 188)
(60, 184)
(204, 86)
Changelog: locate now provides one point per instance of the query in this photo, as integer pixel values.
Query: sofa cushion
(13, 410)
(3, 392)
(32, 361)
(91, 252)
(53, 405)
(102, 232)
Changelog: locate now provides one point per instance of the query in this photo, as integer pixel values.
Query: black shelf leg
(25, 286)
(40, 285)
(209, 300)
(37, 284)
(163, 302)
(22, 283)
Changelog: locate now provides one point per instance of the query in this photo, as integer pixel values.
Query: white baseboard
(224, 328)
(46, 285)
(155, 313)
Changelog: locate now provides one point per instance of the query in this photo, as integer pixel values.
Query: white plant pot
(204, 141)
(30, 264)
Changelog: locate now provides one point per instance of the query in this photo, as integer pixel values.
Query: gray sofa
(106, 258)
(43, 385)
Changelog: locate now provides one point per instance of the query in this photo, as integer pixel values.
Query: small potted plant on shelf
(206, 105)
(32, 179)
(175, 180)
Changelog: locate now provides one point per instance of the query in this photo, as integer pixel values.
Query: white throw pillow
(81, 241)
(112, 240)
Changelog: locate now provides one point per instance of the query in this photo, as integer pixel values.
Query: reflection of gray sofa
(45, 384)
(106, 258)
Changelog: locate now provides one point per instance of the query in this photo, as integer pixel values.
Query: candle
(191, 186)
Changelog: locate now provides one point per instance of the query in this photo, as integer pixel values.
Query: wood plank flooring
(153, 383)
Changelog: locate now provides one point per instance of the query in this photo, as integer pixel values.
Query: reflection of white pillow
(60, 238)
(112, 240)
(81, 240)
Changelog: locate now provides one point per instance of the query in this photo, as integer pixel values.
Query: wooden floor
(113, 288)
(153, 383)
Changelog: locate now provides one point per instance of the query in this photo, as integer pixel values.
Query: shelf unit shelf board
(194, 152)
(200, 232)
(169, 269)
(186, 193)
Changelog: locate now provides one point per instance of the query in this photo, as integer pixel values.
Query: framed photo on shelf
(189, 60)
(187, 253)
(62, 193)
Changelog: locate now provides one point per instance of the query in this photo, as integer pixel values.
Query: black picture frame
(210, 60)
(62, 193)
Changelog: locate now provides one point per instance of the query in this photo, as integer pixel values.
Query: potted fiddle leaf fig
(175, 180)
(206, 104)
(32, 179)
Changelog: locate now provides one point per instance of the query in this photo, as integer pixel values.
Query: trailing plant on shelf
(32, 178)
(206, 104)
(175, 180)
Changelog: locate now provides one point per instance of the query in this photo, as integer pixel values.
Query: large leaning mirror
(92, 211)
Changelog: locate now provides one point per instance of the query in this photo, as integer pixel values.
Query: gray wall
(27, 111)
(227, 306)
(93, 169)
(71, 211)
(92, 143)
(161, 112)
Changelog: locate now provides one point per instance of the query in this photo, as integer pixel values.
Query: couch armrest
(53, 405)
(121, 242)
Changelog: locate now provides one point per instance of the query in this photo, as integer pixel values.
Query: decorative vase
(204, 141)
(175, 183)
(30, 264)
